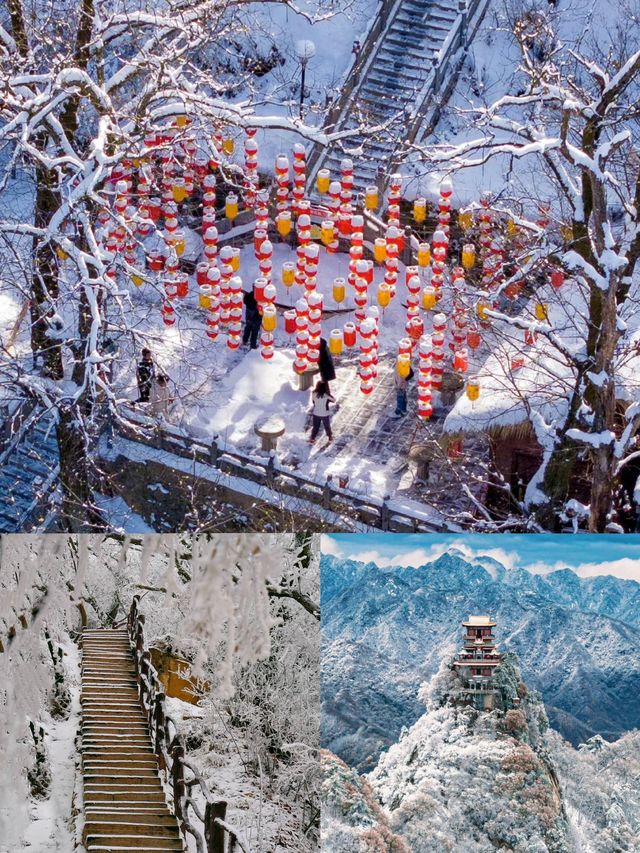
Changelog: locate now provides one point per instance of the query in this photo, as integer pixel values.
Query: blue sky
(586, 554)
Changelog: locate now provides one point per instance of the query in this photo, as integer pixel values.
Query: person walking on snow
(321, 400)
(252, 320)
(160, 399)
(401, 393)
(325, 364)
(145, 372)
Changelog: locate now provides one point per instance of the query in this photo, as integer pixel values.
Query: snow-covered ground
(222, 392)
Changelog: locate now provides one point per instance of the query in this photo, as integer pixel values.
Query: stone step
(103, 780)
(114, 715)
(118, 812)
(94, 828)
(157, 822)
(117, 848)
(106, 769)
(118, 750)
(111, 841)
(111, 727)
(136, 740)
(143, 795)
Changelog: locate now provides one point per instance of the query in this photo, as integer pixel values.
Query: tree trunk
(78, 514)
(44, 279)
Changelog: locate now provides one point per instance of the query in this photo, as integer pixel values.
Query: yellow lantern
(465, 219)
(468, 255)
(182, 121)
(283, 223)
(541, 311)
(327, 232)
(424, 254)
(323, 181)
(473, 388)
(137, 279)
(339, 290)
(204, 297)
(380, 250)
(420, 210)
(179, 242)
(384, 294)
(231, 206)
(567, 233)
(235, 259)
(512, 228)
(481, 311)
(371, 198)
(228, 145)
(336, 342)
(178, 190)
(403, 365)
(60, 252)
(269, 318)
(288, 273)
(428, 298)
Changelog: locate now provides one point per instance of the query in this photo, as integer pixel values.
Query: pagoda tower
(477, 661)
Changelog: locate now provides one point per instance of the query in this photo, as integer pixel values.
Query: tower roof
(476, 620)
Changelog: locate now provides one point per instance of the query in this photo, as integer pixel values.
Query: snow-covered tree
(95, 93)
(566, 134)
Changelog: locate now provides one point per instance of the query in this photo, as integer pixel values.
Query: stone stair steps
(25, 470)
(394, 80)
(124, 800)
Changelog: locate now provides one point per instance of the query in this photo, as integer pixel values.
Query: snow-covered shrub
(515, 722)
(39, 774)
(352, 820)
(60, 700)
(442, 688)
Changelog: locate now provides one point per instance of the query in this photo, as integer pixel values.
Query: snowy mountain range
(387, 630)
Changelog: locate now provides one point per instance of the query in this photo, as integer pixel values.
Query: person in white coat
(160, 398)
(321, 401)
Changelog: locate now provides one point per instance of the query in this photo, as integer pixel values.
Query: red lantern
(474, 339)
(557, 278)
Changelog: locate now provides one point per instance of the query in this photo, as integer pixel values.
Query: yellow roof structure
(479, 621)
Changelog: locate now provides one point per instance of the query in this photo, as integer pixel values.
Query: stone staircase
(124, 800)
(28, 473)
(395, 81)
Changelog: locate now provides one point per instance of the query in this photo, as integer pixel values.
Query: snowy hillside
(384, 631)
(464, 780)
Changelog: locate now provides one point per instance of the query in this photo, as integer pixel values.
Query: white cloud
(330, 546)
(625, 567)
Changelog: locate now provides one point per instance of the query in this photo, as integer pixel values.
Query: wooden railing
(268, 472)
(207, 826)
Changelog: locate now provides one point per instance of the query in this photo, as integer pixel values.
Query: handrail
(351, 83)
(460, 36)
(268, 472)
(217, 836)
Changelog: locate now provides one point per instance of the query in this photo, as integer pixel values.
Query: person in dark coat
(325, 363)
(252, 320)
(145, 372)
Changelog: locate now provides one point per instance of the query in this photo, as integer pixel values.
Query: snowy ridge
(478, 781)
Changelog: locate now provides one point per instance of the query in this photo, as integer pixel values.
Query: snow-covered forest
(240, 614)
